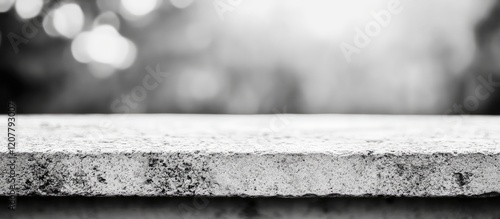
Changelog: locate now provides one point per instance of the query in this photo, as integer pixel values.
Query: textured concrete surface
(257, 208)
(275, 155)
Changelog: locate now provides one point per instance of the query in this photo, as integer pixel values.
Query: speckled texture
(214, 155)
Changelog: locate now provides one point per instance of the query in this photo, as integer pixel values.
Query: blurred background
(251, 56)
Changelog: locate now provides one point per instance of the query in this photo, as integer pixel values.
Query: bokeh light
(106, 46)
(27, 9)
(68, 20)
(48, 25)
(79, 48)
(138, 8)
(5, 5)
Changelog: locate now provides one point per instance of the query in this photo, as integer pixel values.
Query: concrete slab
(274, 155)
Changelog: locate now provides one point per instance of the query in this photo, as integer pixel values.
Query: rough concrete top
(271, 155)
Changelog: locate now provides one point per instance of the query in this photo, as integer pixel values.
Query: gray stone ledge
(266, 155)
